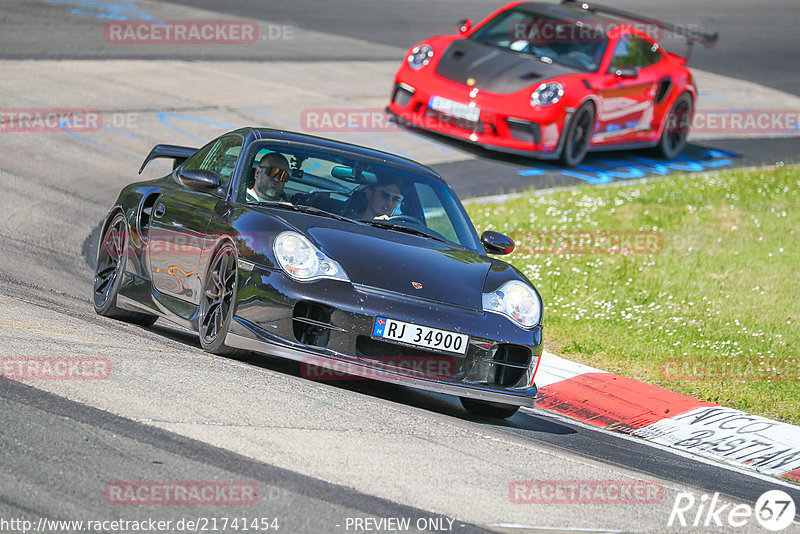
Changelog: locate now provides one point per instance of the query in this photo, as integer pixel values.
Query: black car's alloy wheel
(217, 302)
(579, 135)
(112, 255)
(676, 130)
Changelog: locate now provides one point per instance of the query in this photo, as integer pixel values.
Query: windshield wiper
(302, 208)
(405, 229)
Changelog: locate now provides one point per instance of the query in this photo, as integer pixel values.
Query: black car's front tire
(488, 409)
(217, 303)
(112, 255)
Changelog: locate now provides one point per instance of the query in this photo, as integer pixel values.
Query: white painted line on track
(740, 470)
(552, 529)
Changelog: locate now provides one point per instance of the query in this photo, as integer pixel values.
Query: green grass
(719, 301)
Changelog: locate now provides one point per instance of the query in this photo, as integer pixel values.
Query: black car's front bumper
(328, 324)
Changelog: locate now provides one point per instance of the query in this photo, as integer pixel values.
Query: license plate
(454, 109)
(421, 336)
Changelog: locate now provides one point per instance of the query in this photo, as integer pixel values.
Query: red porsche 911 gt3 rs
(552, 81)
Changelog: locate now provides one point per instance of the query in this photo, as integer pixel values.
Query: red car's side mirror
(464, 26)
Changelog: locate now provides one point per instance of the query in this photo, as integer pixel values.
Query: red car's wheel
(676, 129)
(578, 135)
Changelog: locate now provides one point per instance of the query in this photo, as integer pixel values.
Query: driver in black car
(270, 178)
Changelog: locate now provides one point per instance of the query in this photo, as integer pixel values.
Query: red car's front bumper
(507, 122)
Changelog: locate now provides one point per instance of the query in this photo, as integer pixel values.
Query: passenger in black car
(377, 201)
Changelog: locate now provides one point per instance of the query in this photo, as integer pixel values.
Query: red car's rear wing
(708, 40)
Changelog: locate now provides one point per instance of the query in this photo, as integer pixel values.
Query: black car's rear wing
(708, 40)
(177, 153)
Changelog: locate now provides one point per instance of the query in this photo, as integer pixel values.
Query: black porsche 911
(338, 256)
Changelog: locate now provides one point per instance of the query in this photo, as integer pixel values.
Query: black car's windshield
(406, 229)
(305, 209)
(357, 189)
(579, 45)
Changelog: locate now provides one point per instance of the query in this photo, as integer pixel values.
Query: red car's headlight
(420, 56)
(547, 93)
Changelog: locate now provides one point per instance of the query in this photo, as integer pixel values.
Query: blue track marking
(64, 125)
(125, 10)
(602, 171)
(123, 133)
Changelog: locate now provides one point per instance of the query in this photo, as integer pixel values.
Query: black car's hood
(494, 69)
(390, 260)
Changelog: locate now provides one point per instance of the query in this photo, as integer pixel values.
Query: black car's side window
(220, 157)
(196, 160)
(634, 51)
(223, 157)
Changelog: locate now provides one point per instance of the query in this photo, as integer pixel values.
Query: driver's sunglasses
(279, 175)
(388, 196)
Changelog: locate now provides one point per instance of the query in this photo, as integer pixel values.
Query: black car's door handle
(159, 211)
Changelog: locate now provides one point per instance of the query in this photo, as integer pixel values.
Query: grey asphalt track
(757, 41)
(319, 452)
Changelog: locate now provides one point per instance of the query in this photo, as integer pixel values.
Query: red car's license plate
(454, 109)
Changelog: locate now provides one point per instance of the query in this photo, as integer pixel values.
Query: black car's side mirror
(497, 243)
(626, 72)
(464, 26)
(200, 179)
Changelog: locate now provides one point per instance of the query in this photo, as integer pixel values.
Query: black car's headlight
(420, 56)
(547, 93)
(301, 260)
(517, 301)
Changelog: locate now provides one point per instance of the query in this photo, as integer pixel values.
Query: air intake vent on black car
(146, 214)
(312, 323)
(511, 362)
